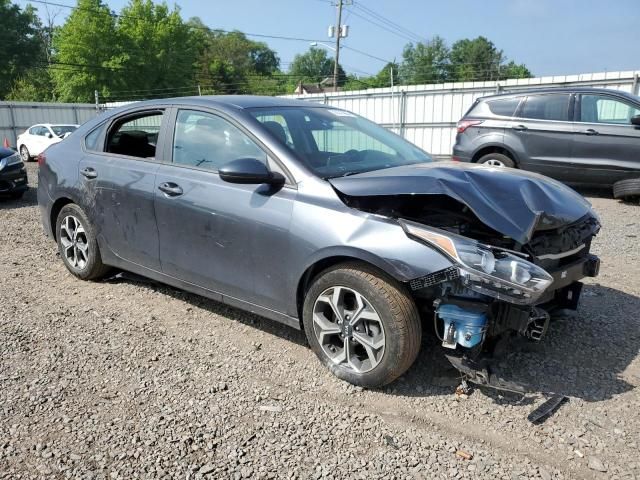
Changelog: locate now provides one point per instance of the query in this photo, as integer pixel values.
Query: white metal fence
(427, 114)
(16, 117)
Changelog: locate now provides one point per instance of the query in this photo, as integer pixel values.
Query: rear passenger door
(117, 178)
(543, 129)
(607, 146)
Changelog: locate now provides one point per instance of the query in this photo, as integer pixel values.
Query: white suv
(38, 137)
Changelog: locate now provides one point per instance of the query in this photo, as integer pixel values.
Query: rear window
(504, 107)
(546, 107)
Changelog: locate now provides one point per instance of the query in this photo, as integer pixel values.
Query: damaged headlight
(486, 270)
(10, 160)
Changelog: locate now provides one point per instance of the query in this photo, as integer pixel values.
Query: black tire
(629, 188)
(499, 157)
(24, 154)
(396, 310)
(91, 268)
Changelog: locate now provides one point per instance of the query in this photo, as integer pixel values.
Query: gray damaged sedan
(324, 221)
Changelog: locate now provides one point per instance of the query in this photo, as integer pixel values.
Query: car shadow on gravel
(216, 308)
(29, 199)
(587, 355)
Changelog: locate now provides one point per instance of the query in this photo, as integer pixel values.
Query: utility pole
(97, 98)
(337, 56)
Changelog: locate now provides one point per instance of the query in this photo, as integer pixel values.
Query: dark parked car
(580, 136)
(321, 220)
(13, 175)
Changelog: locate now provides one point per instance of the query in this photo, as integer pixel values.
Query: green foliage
(476, 59)
(19, 43)
(156, 49)
(425, 63)
(149, 51)
(34, 86)
(88, 56)
(231, 63)
(315, 66)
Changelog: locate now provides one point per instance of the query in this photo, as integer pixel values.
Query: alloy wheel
(75, 244)
(494, 162)
(24, 154)
(348, 329)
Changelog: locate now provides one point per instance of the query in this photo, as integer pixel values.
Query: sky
(552, 37)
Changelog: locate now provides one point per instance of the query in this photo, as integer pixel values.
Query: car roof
(54, 125)
(530, 91)
(234, 101)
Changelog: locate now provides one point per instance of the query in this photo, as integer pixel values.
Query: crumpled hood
(512, 202)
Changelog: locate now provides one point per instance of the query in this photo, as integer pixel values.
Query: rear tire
(24, 154)
(77, 244)
(376, 333)
(497, 160)
(627, 189)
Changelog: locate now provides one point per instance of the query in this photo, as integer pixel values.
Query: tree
(19, 43)
(425, 62)
(315, 66)
(513, 70)
(228, 62)
(157, 48)
(87, 54)
(476, 59)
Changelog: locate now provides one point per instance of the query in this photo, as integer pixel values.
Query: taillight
(464, 124)
(42, 159)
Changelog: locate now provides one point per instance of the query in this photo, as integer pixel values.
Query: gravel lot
(119, 379)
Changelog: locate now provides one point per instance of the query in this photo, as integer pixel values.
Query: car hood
(6, 152)
(512, 202)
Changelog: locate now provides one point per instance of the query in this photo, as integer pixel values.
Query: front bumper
(567, 275)
(13, 179)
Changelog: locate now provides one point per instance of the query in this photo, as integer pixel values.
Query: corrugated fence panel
(16, 117)
(428, 114)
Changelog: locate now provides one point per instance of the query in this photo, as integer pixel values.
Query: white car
(36, 139)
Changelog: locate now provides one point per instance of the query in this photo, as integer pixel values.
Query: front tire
(77, 244)
(497, 160)
(362, 325)
(24, 154)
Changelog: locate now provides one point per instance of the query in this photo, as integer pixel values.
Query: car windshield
(336, 143)
(61, 130)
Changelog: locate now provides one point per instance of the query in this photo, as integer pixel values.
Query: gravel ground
(120, 379)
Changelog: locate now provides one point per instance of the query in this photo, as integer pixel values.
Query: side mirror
(635, 120)
(249, 171)
(49, 135)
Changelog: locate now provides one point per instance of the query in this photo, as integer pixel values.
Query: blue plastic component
(469, 326)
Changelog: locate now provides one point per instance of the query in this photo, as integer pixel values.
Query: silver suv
(581, 136)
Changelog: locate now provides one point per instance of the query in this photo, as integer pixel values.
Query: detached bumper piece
(479, 372)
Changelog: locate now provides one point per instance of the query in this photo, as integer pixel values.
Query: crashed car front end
(518, 245)
(491, 290)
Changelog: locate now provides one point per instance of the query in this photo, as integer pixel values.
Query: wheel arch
(55, 211)
(494, 148)
(328, 261)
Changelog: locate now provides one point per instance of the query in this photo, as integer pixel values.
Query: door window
(135, 136)
(208, 141)
(504, 107)
(546, 107)
(605, 109)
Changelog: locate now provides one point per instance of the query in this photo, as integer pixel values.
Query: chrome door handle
(171, 189)
(590, 131)
(89, 173)
(520, 128)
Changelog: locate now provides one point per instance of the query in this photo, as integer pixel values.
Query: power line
(389, 22)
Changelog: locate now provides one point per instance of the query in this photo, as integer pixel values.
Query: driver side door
(230, 239)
